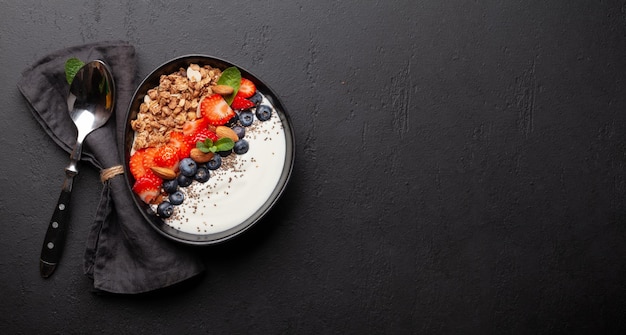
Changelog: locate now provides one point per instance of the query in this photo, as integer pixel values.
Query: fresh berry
(241, 147)
(165, 209)
(191, 127)
(166, 156)
(257, 98)
(136, 164)
(188, 167)
(240, 131)
(200, 136)
(214, 163)
(179, 141)
(246, 89)
(202, 175)
(147, 188)
(263, 112)
(148, 158)
(246, 118)
(184, 181)
(216, 110)
(177, 198)
(225, 153)
(141, 162)
(233, 120)
(170, 186)
(241, 103)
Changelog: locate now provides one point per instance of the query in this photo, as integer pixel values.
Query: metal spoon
(90, 102)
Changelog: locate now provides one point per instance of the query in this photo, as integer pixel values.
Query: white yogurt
(239, 187)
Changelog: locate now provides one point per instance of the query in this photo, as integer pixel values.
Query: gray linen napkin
(123, 254)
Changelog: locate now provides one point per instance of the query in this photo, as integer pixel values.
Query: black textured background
(460, 169)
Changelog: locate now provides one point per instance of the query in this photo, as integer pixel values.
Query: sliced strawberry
(148, 188)
(179, 141)
(246, 89)
(191, 127)
(148, 159)
(200, 136)
(166, 156)
(216, 110)
(241, 103)
(137, 162)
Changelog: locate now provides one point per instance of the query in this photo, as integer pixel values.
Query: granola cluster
(175, 101)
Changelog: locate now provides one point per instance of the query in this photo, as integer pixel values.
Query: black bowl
(151, 81)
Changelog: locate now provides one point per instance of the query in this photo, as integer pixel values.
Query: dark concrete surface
(460, 169)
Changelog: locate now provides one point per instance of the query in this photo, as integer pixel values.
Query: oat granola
(175, 101)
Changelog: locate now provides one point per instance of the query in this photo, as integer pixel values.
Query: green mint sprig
(72, 65)
(223, 144)
(231, 77)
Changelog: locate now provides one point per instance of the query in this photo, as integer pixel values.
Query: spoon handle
(54, 241)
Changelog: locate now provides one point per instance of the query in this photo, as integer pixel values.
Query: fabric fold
(123, 253)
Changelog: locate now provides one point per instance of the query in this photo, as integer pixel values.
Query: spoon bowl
(90, 103)
(91, 96)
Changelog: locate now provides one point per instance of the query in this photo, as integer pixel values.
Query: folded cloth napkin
(124, 254)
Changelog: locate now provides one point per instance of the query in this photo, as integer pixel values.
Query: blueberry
(214, 163)
(202, 175)
(184, 181)
(256, 98)
(188, 167)
(240, 131)
(225, 153)
(246, 118)
(233, 120)
(177, 198)
(165, 209)
(170, 186)
(263, 112)
(241, 147)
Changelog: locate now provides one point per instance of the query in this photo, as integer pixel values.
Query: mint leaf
(203, 147)
(231, 77)
(224, 144)
(72, 66)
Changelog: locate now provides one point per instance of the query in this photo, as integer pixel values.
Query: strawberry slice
(148, 159)
(166, 156)
(191, 127)
(241, 103)
(246, 88)
(139, 163)
(135, 164)
(200, 136)
(148, 188)
(215, 109)
(179, 140)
